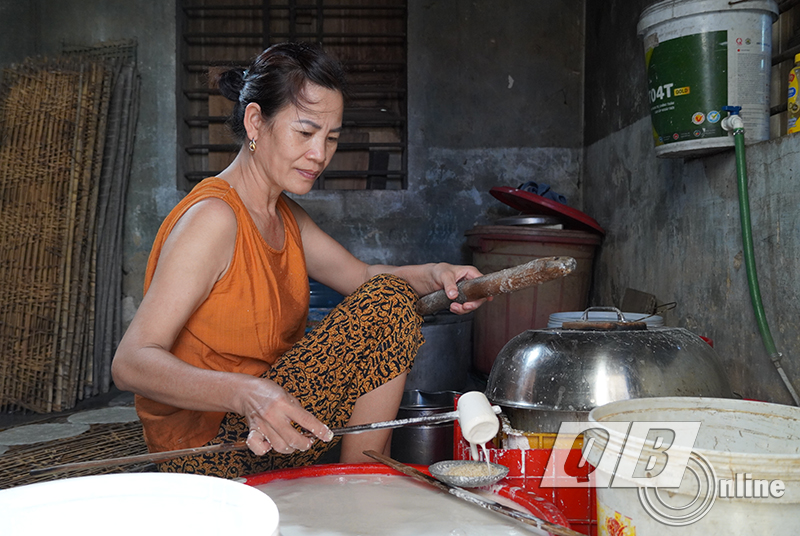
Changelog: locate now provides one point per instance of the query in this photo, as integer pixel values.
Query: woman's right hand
(270, 412)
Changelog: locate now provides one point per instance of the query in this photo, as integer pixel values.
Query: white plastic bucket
(741, 440)
(702, 55)
(557, 319)
(137, 504)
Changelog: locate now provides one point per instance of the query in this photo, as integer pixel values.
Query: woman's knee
(388, 289)
(394, 301)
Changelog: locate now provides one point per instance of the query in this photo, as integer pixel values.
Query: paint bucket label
(612, 523)
(687, 87)
(792, 104)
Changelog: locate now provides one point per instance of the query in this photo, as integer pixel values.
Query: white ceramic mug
(476, 417)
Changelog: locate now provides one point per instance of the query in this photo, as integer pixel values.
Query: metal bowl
(542, 377)
(442, 471)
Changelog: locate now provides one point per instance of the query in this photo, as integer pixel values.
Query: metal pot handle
(620, 316)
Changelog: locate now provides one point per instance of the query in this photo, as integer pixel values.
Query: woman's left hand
(446, 276)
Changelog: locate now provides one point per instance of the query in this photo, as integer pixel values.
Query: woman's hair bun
(230, 83)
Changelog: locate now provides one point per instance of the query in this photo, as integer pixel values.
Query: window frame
(373, 148)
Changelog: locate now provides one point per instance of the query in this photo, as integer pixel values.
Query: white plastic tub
(369, 498)
(755, 441)
(557, 319)
(137, 504)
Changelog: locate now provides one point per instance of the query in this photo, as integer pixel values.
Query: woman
(214, 352)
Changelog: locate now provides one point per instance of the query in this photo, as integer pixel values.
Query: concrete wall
(495, 99)
(20, 28)
(673, 224)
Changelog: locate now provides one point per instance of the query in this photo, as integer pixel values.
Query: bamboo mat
(120, 56)
(66, 136)
(100, 442)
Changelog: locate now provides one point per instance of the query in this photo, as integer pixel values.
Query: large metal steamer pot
(544, 377)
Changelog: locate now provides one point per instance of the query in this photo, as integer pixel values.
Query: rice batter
(337, 505)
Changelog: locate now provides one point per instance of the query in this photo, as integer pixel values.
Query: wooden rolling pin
(526, 275)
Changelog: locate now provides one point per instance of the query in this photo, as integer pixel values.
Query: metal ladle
(448, 471)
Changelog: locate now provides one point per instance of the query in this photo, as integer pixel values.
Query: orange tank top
(253, 315)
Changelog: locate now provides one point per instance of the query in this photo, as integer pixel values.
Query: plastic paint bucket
(749, 450)
(702, 55)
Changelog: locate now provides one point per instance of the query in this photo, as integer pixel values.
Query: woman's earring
(252, 145)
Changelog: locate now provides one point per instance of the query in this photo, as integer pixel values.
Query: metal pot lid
(530, 219)
(577, 370)
(531, 203)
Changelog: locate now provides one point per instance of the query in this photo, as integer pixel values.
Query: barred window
(367, 36)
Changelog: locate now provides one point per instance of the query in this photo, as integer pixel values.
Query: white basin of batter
(336, 505)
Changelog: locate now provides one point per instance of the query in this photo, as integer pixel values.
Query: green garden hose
(737, 126)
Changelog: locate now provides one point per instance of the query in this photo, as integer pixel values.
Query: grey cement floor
(114, 397)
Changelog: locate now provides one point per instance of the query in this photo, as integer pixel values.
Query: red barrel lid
(530, 203)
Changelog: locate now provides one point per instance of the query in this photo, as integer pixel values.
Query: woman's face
(299, 142)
